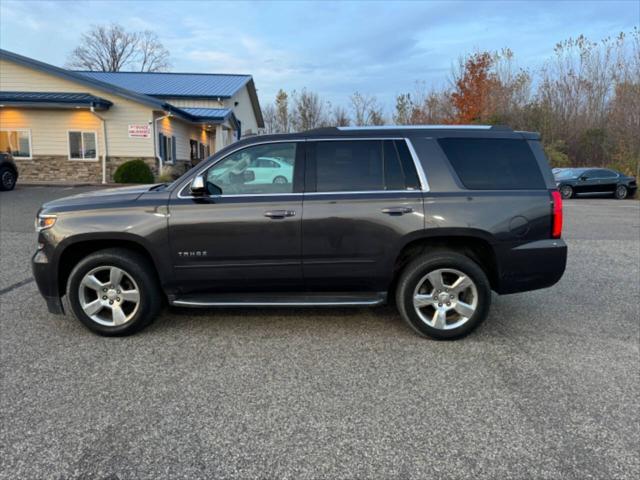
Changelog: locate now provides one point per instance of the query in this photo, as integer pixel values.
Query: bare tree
(153, 56)
(404, 106)
(110, 48)
(340, 117)
(282, 112)
(270, 119)
(366, 110)
(308, 111)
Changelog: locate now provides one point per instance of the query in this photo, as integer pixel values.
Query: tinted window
(603, 174)
(393, 174)
(493, 164)
(249, 171)
(364, 165)
(349, 166)
(408, 167)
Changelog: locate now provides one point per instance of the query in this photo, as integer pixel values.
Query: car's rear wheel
(621, 192)
(114, 292)
(566, 191)
(280, 180)
(443, 295)
(7, 179)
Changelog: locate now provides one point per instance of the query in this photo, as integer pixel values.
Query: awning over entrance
(53, 100)
(215, 116)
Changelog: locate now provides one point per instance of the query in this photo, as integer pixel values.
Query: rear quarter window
(493, 163)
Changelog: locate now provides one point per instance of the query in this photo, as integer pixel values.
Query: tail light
(556, 219)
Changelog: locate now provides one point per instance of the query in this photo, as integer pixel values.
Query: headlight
(45, 221)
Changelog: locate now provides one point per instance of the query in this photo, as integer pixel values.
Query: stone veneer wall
(59, 169)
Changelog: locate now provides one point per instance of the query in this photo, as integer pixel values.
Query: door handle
(397, 210)
(279, 213)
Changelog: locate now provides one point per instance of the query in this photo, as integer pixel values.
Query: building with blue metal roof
(62, 125)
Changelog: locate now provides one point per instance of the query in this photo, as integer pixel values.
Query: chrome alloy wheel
(566, 191)
(445, 298)
(109, 296)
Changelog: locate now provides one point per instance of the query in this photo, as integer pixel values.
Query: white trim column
(219, 138)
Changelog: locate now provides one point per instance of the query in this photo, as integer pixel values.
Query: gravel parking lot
(548, 387)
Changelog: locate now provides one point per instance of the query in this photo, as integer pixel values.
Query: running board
(304, 299)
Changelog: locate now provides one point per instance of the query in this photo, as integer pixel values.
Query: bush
(133, 171)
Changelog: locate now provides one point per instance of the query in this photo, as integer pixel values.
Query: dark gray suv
(431, 218)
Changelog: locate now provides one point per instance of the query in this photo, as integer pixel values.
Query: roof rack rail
(321, 130)
(329, 130)
(418, 127)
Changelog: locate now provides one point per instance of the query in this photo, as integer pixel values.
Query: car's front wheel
(443, 295)
(566, 191)
(621, 192)
(114, 292)
(7, 178)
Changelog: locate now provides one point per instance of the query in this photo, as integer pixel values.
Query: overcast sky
(381, 48)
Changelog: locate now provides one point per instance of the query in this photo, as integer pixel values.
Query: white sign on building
(142, 130)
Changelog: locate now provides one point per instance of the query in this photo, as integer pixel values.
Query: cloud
(332, 48)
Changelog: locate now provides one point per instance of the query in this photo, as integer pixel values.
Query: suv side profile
(433, 218)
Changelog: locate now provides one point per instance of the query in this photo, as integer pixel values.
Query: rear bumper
(532, 266)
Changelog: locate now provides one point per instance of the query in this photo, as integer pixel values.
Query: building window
(193, 145)
(167, 148)
(83, 145)
(16, 142)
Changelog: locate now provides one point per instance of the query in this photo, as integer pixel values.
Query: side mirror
(582, 178)
(197, 186)
(249, 176)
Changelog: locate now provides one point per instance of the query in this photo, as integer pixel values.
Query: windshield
(568, 173)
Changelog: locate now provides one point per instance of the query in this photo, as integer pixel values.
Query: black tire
(566, 191)
(134, 265)
(417, 269)
(621, 192)
(280, 180)
(7, 179)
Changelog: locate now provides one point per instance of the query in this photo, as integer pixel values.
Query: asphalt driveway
(548, 387)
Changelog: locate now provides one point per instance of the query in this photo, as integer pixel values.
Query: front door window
(261, 169)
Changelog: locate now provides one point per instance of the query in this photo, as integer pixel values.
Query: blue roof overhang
(63, 100)
(211, 115)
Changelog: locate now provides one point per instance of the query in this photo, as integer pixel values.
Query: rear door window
(349, 166)
(605, 174)
(363, 165)
(493, 163)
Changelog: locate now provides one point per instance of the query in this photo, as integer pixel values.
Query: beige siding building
(66, 126)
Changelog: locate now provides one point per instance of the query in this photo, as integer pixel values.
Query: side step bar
(296, 299)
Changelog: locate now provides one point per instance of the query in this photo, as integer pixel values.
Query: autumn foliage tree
(470, 97)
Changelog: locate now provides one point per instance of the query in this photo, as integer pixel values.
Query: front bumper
(532, 266)
(45, 277)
